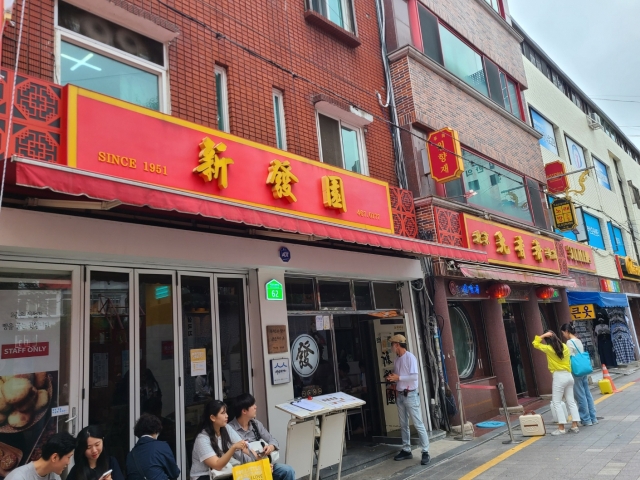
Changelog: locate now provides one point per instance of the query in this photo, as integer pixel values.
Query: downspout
(401, 171)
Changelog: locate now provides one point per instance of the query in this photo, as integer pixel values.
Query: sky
(597, 44)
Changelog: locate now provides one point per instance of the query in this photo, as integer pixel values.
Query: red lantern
(545, 293)
(499, 291)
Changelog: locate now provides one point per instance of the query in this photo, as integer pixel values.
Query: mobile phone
(108, 472)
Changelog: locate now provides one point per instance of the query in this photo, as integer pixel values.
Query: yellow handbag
(260, 470)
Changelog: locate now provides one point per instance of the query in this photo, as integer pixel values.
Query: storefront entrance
(519, 351)
(165, 343)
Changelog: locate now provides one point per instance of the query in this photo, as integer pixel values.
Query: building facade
(579, 134)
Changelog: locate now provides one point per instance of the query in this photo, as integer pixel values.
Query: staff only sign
(135, 146)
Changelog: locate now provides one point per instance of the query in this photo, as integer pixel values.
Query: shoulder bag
(580, 362)
(259, 444)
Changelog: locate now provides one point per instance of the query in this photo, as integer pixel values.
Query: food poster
(384, 330)
(30, 325)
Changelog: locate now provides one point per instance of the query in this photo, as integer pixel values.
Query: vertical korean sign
(445, 155)
(30, 329)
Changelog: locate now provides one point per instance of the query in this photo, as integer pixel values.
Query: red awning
(62, 179)
(473, 271)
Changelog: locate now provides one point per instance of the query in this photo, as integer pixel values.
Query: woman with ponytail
(559, 363)
(581, 390)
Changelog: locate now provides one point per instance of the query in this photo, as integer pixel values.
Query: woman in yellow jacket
(559, 363)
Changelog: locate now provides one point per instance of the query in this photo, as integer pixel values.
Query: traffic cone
(606, 376)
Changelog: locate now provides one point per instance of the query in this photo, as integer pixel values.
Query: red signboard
(118, 140)
(579, 256)
(23, 350)
(558, 184)
(445, 155)
(511, 246)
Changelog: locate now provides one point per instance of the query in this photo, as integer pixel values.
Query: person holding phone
(559, 363)
(216, 444)
(150, 459)
(92, 462)
(249, 428)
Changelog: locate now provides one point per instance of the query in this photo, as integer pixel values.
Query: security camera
(451, 265)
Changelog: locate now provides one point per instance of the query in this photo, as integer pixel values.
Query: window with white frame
(339, 12)
(341, 145)
(222, 101)
(105, 57)
(278, 115)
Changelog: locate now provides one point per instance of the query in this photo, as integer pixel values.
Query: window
(341, 145)
(498, 189)
(463, 61)
(464, 343)
(104, 57)
(594, 231)
(576, 154)
(222, 99)
(615, 234)
(278, 114)
(339, 12)
(602, 173)
(495, 4)
(545, 128)
(510, 95)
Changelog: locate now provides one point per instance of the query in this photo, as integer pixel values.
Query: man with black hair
(405, 376)
(56, 456)
(252, 430)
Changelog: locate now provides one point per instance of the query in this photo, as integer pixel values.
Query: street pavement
(605, 451)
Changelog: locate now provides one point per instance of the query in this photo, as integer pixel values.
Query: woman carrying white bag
(581, 390)
(217, 448)
(559, 363)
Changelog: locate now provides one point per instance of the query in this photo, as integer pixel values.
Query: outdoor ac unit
(594, 121)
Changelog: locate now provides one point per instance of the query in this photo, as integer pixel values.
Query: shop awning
(489, 273)
(62, 179)
(602, 299)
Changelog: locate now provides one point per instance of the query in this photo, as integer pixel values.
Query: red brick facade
(274, 30)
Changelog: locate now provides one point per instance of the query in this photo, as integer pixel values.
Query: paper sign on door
(198, 361)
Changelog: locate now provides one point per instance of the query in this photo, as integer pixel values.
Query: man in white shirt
(405, 375)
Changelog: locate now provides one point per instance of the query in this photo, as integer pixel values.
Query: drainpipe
(401, 171)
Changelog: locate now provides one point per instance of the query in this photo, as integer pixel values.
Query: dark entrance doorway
(519, 352)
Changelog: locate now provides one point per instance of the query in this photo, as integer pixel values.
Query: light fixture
(499, 291)
(545, 293)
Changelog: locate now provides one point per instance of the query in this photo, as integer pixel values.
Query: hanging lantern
(545, 293)
(499, 291)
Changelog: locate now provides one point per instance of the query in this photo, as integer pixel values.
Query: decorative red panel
(562, 258)
(37, 122)
(448, 227)
(404, 212)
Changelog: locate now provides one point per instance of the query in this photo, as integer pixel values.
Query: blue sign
(285, 254)
(594, 230)
(548, 139)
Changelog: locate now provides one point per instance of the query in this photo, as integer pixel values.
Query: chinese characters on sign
(445, 155)
(211, 164)
(305, 355)
(582, 312)
(277, 339)
(564, 214)
(557, 182)
(333, 193)
(281, 177)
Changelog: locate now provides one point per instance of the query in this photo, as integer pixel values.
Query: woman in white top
(216, 444)
(581, 390)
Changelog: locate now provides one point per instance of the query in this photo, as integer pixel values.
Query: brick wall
(268, 29)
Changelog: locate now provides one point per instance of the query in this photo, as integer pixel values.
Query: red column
(499, 350)
(442, 309)
(562, 309)
(414, 24)
(533, 322)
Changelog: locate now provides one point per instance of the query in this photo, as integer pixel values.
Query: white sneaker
(559, 432)
(575, 430)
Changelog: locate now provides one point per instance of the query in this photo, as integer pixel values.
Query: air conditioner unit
(594, 121)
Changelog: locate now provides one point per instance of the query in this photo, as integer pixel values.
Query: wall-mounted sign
(305, 355)
(628, 268)
(130, 145)
(466, 290)
(445, 155)
(564, 214)
(579, 256)
(274, 290)
(582, 312)
(277, 339)
(510, 246)
(285, 254)
(280, 371)
(607, 285)
(198, 358)
(555, 183)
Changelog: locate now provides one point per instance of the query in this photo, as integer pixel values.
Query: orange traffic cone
(606, 376)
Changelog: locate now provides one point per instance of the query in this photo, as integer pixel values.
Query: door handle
(73, 420)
